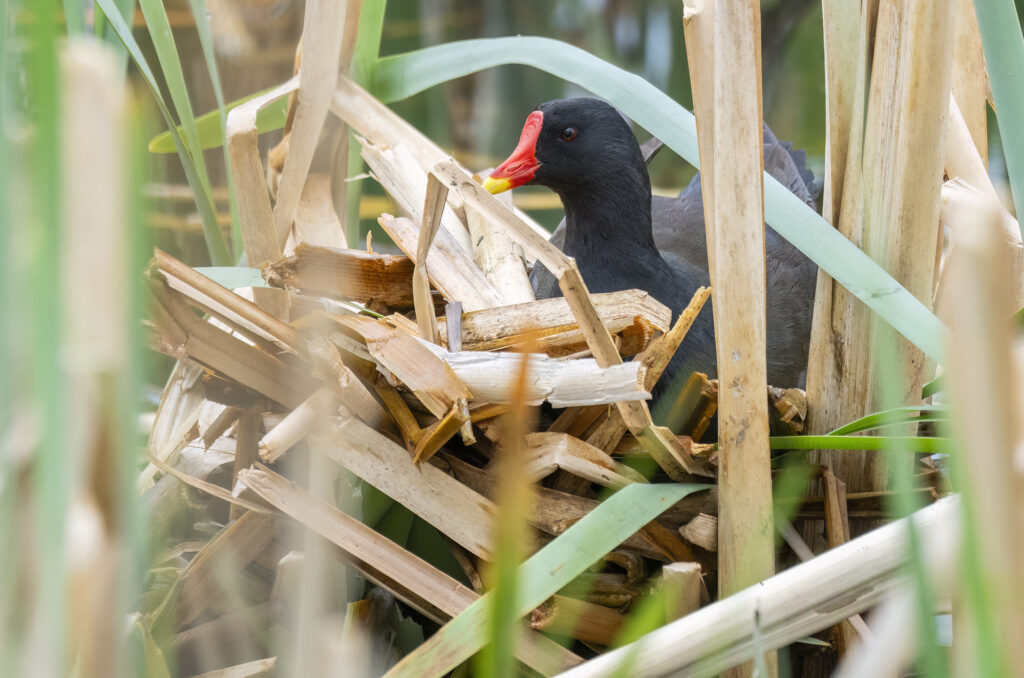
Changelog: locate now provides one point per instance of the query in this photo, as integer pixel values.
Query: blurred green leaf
(1004, 58)
(211, 128)
(203, 195)
(898, 415)
(547, 571)
(920, 445)
(200, 15)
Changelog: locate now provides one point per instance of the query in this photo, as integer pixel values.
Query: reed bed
(368, 463)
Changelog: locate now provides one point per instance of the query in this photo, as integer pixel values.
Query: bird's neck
(610, 215)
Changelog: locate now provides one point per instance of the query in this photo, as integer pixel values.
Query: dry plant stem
(970, 79)
(433, 209)
(379, 124)
(500, 259)
(962, 159)
(259, 235)
(587, 622)
(316, 222)
(323, 28)
(563, 383)
(455, 275)
(396, 170)
(548, 452)
(836, 376)
(986, 409)
(220, 425)
(370, 278)
(297, 424)
(210, 573)
(800, 601)
(681, 583)
(235, 307)
(411, 579)
(246, 448)
(699, 31)
(804, 553)
(746, 538)
(837, 530)
(94, 354)
(548, 323)
(657, 356)
(960, 204)
(183, 335)
(890, 212)
(842, 22)
(442, 501)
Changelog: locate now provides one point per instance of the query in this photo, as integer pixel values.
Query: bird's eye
(569, 133)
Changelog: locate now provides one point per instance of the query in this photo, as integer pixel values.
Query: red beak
(522, 164)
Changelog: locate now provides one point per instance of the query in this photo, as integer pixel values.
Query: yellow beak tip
(495, 186)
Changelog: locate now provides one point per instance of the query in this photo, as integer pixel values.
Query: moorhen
(623, 238)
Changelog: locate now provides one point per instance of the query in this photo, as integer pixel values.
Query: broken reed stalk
(433, 208)
(970, 79)
(259, 235)
(96, 345)
(788, 606)
(411, 579)
(889, 208)
(746, 539)
(323, 29)
(986, 410)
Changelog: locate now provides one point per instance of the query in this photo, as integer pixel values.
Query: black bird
(623, 238)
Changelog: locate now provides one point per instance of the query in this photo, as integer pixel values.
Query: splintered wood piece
(788, 410)
(247, 437)
(431, 439)
(220, 425)
(837, 523)
(408, 577)
(500, 259)
(322, 33)
(702, 531)
(548, 452)
(490, 376)
(184, 335)
(379, 281)
(450, 269)
(694, 407)
(682, 584)
(225, 303)
(259, 235)
(375, 121)
(672, 455)
(657, 356)
(297, 424)
(427, 491)
(396, 170)
(579, 619)
(433, 209)
(399, 409)
(205, 577)
(352, 393)
(411, 361)
(549, 322)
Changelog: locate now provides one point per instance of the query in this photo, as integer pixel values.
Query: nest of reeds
(398, 384)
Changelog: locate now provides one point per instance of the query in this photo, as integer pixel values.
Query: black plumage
(623, 238)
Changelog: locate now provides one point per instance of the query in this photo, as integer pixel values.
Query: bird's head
(569, 145)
